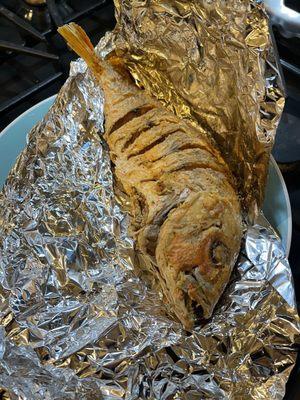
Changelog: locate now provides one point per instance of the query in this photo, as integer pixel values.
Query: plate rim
(272, 161)
(288, 203)
(30, 109)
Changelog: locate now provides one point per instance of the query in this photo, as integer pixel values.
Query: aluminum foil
(211, 62)
(79, 318)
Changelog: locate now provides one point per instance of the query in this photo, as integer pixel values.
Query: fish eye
(218, 252)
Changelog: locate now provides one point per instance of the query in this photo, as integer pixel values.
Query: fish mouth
(198, 312)
(197, 295)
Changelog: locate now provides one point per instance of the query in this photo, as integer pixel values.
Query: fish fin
(80, 43)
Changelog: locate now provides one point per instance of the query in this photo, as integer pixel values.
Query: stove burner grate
(32, 52)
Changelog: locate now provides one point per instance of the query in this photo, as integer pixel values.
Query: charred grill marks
(135, 113)
(137, 134)
(159, 140)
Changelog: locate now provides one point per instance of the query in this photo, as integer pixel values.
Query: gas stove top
(34, 63)
(34, 59)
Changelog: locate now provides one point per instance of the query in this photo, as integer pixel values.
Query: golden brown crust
(186, 212)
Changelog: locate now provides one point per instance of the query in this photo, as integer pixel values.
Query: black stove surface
(293, 4)
(27, 79)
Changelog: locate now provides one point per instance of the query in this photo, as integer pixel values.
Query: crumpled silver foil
(79, 321)
(211, 62)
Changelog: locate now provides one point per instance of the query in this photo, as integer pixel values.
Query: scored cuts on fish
(185, 208)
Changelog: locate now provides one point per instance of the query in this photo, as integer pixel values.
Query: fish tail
(80, 43)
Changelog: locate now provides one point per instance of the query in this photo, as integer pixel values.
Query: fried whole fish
(185, 210)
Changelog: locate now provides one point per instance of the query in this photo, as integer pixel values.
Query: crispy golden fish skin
(186, 212)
